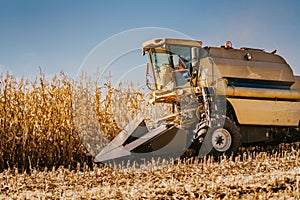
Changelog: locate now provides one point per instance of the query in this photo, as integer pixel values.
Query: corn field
(37, 125)
(44, 152)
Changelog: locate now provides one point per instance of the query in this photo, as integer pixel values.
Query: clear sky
(59, 34)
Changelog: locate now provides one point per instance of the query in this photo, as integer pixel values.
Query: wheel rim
(221, 139)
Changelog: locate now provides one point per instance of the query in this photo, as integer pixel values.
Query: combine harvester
(222, 98)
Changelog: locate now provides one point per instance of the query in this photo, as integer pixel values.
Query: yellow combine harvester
(222, 98)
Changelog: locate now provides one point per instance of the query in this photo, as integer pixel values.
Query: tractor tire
(225, 140)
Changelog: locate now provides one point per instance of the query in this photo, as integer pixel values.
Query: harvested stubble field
(260, 176)
(42, 157)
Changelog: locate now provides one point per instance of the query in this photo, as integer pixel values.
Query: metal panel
(265, 112)
(262, 93)
(296, 85)
(256, 70)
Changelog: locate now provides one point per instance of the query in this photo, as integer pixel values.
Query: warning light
(228, 44)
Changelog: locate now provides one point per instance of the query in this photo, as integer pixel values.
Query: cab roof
(165, 41)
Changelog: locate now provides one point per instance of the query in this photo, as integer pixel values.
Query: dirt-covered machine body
(222, 98)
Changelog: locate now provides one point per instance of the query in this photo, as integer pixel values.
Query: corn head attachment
(136, 141)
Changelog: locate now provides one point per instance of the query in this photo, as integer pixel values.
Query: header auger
(222, 98)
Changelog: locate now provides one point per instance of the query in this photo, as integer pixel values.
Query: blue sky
(59, 34)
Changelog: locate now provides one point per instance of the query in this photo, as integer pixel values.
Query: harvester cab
(182, 73)
(172, 63)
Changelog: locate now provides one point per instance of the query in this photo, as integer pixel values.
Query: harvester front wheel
(225, 139)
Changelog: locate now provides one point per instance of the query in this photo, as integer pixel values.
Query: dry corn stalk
(36, 123)
(45, 123)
